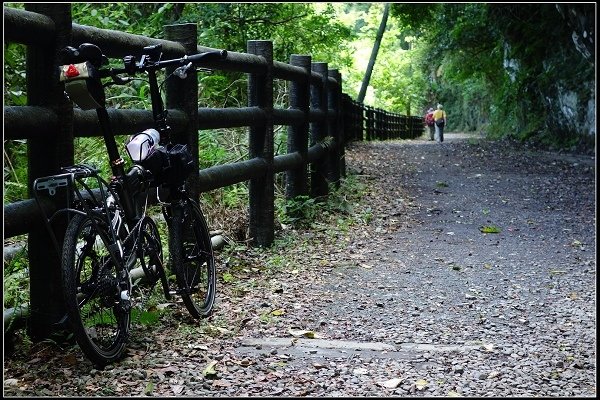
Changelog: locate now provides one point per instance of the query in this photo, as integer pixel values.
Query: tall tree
(367, 78)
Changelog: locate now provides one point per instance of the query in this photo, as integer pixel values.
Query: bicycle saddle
(85, 52)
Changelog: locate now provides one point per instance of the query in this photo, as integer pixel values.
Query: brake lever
(181, 72)
(120, 80)
(117, 80)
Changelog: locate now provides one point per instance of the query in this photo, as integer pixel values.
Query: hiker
(429, 121)
(440, 119)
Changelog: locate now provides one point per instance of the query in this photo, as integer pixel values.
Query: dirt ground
(471, 273)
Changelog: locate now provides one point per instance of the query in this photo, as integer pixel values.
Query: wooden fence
(320, 120)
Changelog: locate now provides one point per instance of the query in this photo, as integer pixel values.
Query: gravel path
(417, 302)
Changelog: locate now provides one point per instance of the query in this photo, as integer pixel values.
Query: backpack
(429, 119)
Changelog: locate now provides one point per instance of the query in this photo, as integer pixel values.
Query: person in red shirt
(429, 121)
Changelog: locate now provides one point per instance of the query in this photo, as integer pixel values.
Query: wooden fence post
(360, 120)
(46, 156)
(387, 121)
(340, 164)
(370, 123)
(297, 140)
(403, 127)
(318, 131)
(355, 118)
(333, 166)
(262, 189)
(182, 94)
(380, 124)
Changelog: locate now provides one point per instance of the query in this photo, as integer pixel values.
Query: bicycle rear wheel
(96, 300)
(192, 258)
(149, 253)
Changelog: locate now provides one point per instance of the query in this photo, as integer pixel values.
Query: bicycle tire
(97, 315)
(192, 259)
(149, 254)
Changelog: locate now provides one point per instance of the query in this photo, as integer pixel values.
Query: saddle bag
(169, 165)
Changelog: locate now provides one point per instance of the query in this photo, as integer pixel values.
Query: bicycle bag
(170, 165)
(82, 85)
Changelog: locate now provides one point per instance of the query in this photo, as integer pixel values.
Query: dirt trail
(476, 276)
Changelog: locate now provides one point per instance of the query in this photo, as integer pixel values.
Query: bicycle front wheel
(192, 258)
(96, 302)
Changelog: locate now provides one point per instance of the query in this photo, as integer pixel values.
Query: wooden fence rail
(320, 119)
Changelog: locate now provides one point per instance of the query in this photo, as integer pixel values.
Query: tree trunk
(367, 78)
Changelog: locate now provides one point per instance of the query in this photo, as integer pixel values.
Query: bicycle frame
(83, 82)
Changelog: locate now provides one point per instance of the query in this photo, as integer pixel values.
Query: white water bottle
(141, 144)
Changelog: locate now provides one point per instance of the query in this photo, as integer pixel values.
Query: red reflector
(72, 71)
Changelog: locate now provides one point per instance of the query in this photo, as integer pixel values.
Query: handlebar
(149, 61)
(184, 63)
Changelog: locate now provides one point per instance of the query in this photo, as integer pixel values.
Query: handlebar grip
(208, 56)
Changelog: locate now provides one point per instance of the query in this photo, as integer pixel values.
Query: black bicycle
(112, 250)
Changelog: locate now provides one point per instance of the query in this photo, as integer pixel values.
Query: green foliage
(211, 149)
(294, 28)
(396, 83)
(14, 151)
(227, 277)
(302, 212)
(508, 69)
(15, 170)
(14, 74)
(15, 280)
(299, 210)
(145, 317)
(414, 17)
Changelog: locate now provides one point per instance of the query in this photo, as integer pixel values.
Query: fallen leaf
(301, 333)
(279, 311)
(360, 371)
(488, 347)
(177, 389)
(391, 383)
(493, 374)
(452, 393)
(149, 388)
(421, 384)
(210, 370)
(490, 229)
